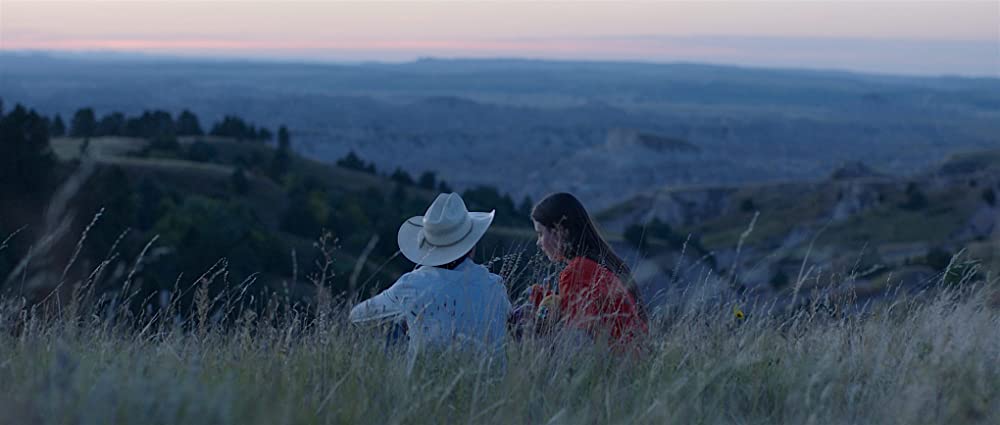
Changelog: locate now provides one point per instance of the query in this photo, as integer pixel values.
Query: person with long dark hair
(596, 292)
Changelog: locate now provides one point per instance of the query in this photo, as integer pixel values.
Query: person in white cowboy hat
(448, 301)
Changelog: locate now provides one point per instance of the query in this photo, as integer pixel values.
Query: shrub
(239, 182)
(938, 258)
(915, 198)
(201, 151)
(989, 196)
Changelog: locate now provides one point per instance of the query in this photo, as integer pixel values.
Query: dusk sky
(905, 37)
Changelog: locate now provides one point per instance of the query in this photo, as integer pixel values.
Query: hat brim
(427, 255)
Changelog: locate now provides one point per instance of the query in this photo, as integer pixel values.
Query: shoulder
(410, 282)
(420, 273)
(481, 272)
(582, 270)
(580, 266)
(490, 281)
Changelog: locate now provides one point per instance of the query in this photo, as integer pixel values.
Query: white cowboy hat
(445, 233)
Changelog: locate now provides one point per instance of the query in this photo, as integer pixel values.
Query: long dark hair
(565, 214)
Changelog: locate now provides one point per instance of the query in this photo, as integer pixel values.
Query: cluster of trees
(354, 218)
(26, 158)
(236, 128)
(482, 197)
(354, 162)
(427, 180)
(154, 124)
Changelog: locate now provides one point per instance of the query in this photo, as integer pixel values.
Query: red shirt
(592, 298)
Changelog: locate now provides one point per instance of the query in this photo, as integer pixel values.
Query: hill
(171, 208)
(856, 231)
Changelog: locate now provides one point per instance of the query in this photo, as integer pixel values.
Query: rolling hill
(854, 231)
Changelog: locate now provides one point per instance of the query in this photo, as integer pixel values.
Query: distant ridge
(854, 170)
(621, 137)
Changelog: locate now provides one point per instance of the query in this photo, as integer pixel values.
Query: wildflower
(738, 313)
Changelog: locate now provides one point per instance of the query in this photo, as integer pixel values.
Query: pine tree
(281, 162)
(188, 125)
(112, 124)
(264, 134)
(401, 177)
(84, 123)
(239, 181)
(427, 180)
(526, 206)
(25, 154)
(284, 139)
(58, 127)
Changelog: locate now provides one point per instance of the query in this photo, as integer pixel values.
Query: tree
(112, 124)
(157, 124)
(938, 258)
(25, 155)
(526, 206)
(284, 139)
(165, 143)
(148, 203)
(915, 198)
(188, 125)
(151, 125)
(635, 234)
(239, 181)
(427, 180)
(401, 177)
(989, 196)
(84, 123)
(354, 162)
(281, 162)
(204, 230)
(234, 127)
(308, 209)
(264, 134)
(58, 127)
(200, 151)
(485, 198)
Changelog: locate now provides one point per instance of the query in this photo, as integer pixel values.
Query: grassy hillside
(931, 359)
(203, 199)
(840, 226)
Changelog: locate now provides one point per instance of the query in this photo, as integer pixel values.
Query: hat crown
(446, 220)
(446, 232)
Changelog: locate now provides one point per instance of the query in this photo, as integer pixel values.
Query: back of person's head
(565, 214)
(454, 264)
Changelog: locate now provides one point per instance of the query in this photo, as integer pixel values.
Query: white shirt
(465, 308)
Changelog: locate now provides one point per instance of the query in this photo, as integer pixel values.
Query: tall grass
(93, 358)
(925, 359)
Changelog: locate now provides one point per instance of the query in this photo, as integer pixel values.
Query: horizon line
(138, 55)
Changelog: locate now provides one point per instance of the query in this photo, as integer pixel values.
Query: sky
(960, 37)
